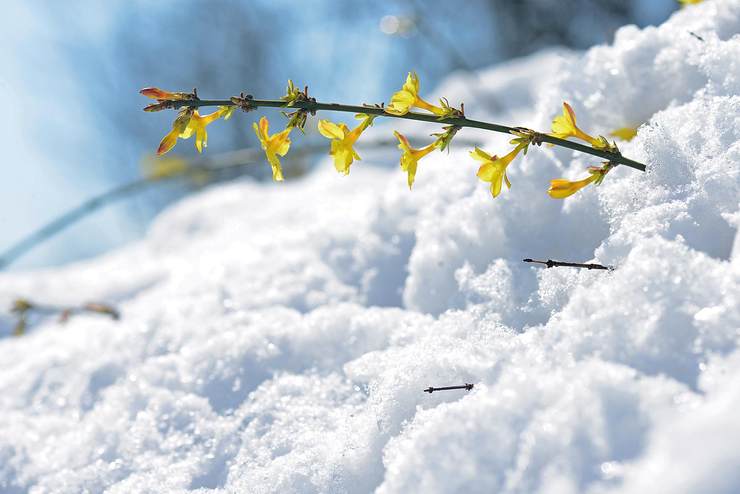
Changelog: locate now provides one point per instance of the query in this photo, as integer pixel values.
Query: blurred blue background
(71, 71)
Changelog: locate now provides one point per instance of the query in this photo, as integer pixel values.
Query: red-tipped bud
(156, 93)
(157, 106)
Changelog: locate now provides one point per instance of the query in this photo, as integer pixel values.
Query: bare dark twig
(554, 264)
(466, 386)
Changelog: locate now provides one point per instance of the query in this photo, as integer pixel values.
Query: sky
(73, 124)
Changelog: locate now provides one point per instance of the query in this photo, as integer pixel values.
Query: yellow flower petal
(561, 188)
(274, 145)
(569, 114)
(496, 185)
(188, 124)
(493, 169)
(168, 142)
(264, 128)
(179, 126)
(227, 111)
(257, 131)
(211, 117)
(277, 170)
(480, 155)
(410, 157)
(564, 126)
(412, 83)
(403, 143)
(282, 142)
(401, 103)
(625, 133)
(409, 165)
(342, 159)
(201, 138)
(488, 171)
(408, 97)
(343, 141)
(330, 130)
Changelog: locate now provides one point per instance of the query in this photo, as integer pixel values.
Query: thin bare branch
(555, 264)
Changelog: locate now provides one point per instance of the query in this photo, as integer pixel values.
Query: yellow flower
(564, 126)
(178, 127)
(189, 122)
(625, 133)
(689, 2)
(408, 97)
(561, 188)
(273, 145)
(493, 169)
(410, 156)
(343, 140)
(198, 125)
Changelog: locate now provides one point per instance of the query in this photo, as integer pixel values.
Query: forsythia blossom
(178, 127)
(625, 133)
(493, 169)
(343, 140)
(564, 126)
(274, 145)
(408, 97)
(189, 122)
(410, 156)
(561, 188)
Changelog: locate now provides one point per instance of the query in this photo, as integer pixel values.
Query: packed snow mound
(277, 338)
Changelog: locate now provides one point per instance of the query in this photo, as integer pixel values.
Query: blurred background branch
(195, 172)
(23, 309)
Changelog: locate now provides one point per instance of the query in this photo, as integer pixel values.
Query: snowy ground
(277, 338)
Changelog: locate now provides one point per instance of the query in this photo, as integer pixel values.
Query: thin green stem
(312, 106)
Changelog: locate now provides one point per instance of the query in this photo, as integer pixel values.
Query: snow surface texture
(277, 338)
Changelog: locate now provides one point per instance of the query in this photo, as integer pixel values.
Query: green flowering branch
(458, 121)
(189, 122)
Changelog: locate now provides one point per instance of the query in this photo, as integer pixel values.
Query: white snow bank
(277, 338)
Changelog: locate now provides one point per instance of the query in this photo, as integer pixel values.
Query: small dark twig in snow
(466, 386)
(554, 264)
